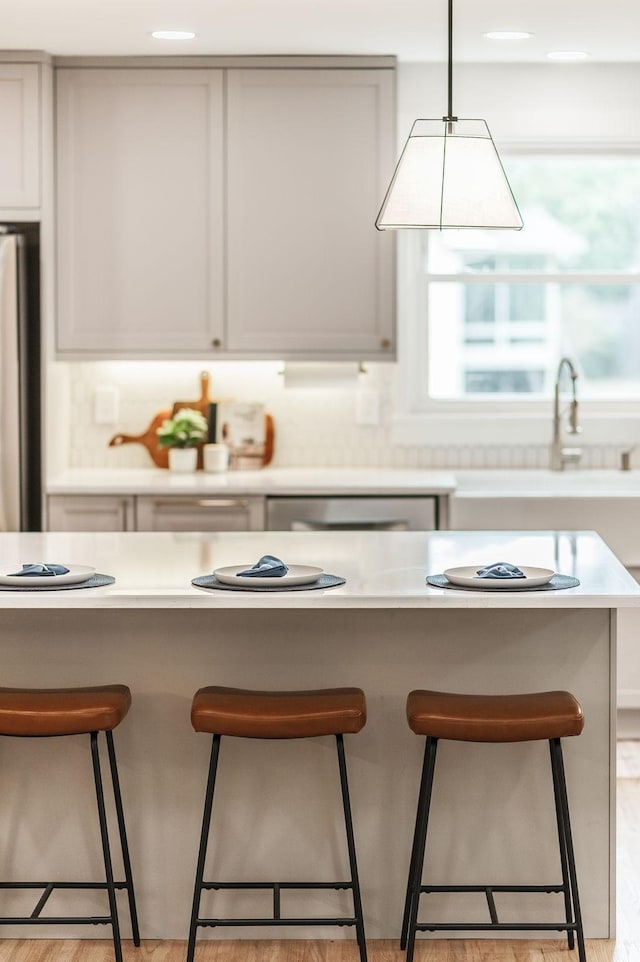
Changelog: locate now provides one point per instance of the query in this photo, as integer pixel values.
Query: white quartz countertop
(382, 569)
(526, 483)
(267, 481)
(511, 483)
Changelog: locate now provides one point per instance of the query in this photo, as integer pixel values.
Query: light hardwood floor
(625, 949)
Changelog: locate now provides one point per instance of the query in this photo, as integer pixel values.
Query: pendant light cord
(450, 116)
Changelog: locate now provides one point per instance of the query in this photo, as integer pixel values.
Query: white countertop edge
(266, 481)
(436, 598)
(289, 481)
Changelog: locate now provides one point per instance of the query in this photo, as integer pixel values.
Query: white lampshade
(449, 176)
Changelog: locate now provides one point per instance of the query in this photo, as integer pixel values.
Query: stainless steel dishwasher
(355, 513)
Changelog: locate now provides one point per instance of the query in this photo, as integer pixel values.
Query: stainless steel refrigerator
(20, 379)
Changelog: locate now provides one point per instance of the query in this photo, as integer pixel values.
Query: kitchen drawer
(90, 513)
(174, 513)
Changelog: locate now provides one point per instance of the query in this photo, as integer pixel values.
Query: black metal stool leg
(562, 842)
(123, 838)
(202, 852)
(104, 834)
(414, 850)
(355, 883)
(556, 755)
(422, 824)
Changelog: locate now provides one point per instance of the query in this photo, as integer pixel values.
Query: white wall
(587, 102)
(564, 103)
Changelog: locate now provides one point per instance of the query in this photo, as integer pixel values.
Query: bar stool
(277, 715)
(549, 715)
(43, 713)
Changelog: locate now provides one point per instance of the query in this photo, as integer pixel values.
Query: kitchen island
(386, 631)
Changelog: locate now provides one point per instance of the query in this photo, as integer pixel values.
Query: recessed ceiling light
(508, 35)
(567, 55)
(173, 35)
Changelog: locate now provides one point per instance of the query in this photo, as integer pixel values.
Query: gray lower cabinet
(90, 513)
(174, 513)
(154, 513)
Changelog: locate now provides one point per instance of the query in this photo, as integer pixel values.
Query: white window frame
(421, 419)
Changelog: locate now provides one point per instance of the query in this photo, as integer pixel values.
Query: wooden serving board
(159, 455)
(149, 438)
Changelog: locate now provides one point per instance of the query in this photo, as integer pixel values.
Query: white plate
(296, 575)
(75, 575)
(467, 578)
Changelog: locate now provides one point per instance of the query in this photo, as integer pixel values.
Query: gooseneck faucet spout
(561, 455)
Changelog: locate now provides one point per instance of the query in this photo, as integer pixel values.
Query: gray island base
(276, 811)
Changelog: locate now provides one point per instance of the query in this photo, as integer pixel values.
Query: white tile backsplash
(313, 427)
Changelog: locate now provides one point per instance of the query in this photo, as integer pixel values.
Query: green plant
(184, 430)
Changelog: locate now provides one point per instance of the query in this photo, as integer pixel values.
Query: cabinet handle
(201, 503)
(216, 342)
(385, 343)
(124, 514)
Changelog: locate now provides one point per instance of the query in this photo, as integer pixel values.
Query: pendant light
(449, 175)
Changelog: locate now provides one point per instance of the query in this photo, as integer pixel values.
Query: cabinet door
(90, 513)
(139, 211)
(174, 513)
(19, 135)
(308, 153)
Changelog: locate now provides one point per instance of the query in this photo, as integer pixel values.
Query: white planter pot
(183, 460)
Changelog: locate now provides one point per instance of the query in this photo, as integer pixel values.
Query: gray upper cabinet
(225, 211)
(140, 211)
(307, 153)
(19, 136)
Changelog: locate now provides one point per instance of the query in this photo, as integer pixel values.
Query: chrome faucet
(561, 455)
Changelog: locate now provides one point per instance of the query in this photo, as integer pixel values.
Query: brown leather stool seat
(278, 714)
(50, 712)
(245, 713)
(62, 711)
(494, 718)
(533, 716)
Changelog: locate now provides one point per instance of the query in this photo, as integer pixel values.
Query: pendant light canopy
(449, 175)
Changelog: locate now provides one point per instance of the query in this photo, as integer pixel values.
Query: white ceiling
(413, 30)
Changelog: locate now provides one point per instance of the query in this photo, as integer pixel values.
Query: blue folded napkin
(266, 567)
(500, 569)
(41, 570)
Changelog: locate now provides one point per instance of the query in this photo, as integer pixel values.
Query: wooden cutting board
(149, 438)
(159, 455)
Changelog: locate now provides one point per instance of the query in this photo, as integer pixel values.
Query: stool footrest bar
(212, 923)
(271, 886)
(60, 885)
(35, 918)
(56, 920)
(550, 889)
(496, 927)
(495, 924)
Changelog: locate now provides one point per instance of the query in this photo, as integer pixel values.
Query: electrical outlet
(105, 405)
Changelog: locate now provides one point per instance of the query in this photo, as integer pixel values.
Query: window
(492, 312)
